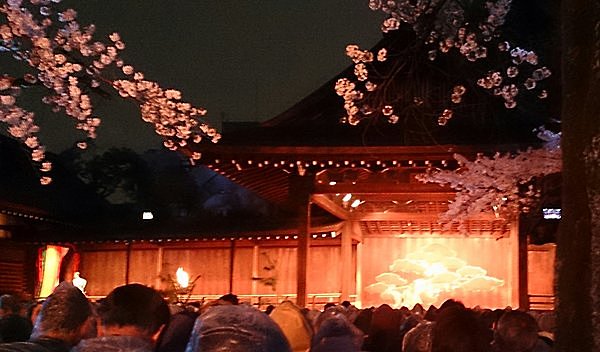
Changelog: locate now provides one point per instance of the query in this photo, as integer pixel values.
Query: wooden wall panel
(13, 271)
(12, 278)
(540, 272)
(285, 262)
(242, 271)
(143, 267)
(104, 270)
(212, 264)
(324, 272)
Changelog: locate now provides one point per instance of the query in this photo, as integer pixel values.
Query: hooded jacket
(294, 325)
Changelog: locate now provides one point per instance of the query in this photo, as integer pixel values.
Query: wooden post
(299, 197)
(255, 272)
(523, 266)
(127, 261)
(346, 260)
(359, 253)
(159, 264)
(302, 261)
(231, 263)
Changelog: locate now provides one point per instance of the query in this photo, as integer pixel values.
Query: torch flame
(183, 278)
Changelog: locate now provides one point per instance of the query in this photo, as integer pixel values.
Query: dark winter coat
(36, 345)
(14, 328)
(114, 344)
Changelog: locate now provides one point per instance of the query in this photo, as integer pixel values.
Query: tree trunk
(578, 250)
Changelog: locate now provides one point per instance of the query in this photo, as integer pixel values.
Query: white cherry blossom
(64, 58)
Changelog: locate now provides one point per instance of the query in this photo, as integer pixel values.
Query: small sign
(551, 213)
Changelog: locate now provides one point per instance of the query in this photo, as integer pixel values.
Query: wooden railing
(12, 278)
(541, 302)
(261, 301)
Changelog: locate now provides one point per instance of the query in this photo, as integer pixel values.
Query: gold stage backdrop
(403, 271)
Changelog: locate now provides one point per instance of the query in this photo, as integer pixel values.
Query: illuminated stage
(399, 270)
(386, 243)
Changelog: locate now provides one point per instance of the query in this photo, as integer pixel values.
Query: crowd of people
(136, 318)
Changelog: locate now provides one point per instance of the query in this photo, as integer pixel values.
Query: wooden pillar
(255, 272)
(523, 266)
(127, 262)
(359, 283)
(159, 261)
(302, 261)
(231, 263)
(299, 195)
(346, 260)
(159, 265)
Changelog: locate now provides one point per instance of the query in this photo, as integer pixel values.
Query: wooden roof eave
(222, 152)
(173, 238)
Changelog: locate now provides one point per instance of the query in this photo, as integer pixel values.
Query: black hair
(328, 305)
(451, 303)
(269, 309)
(230, 297)
(10, 303)
(134, 305)
(457, 329)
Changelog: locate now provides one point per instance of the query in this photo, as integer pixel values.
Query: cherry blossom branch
(64, 57)
(440, 27)
(503, 184)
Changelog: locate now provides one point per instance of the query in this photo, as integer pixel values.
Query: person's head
(9, 305)
(516, 332)
(176, 334)
(328, 305)
(65, 315)
(134, 310)
(451, 303)
(457, 329)
(490, 317)
(336, 333)
(269, 309)
(547, 322)
(431, 313)
(418, 338)
(236, 328)
(418, 310)
(294, 325)
(229, 298)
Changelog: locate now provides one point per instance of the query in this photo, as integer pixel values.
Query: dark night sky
(240, 59)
